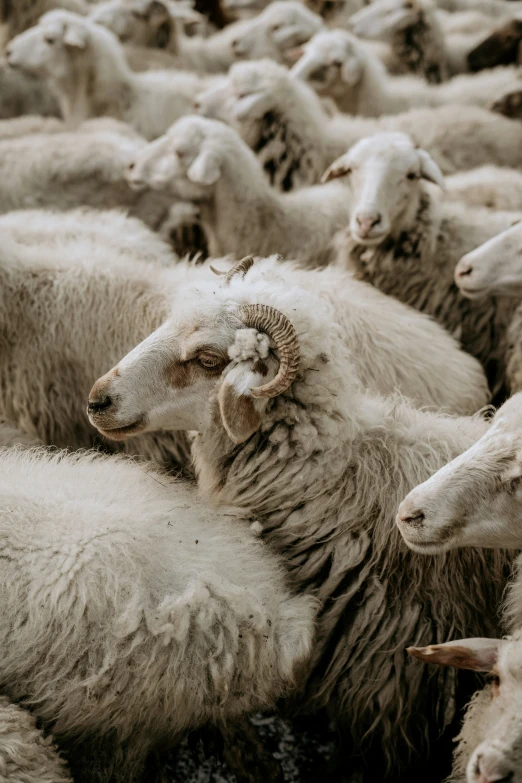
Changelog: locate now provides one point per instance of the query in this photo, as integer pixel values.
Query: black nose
(99, 405)
(414, 520)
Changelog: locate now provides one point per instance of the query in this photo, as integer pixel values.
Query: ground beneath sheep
(303, 748)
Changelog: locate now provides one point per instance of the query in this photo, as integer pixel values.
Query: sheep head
(48, 48)
(226, 360)
(331, 62)
(282, 26)
(490, 746)
(187, 161)
(384, 18)
(494, 268)
(475, 500)
(384, 174)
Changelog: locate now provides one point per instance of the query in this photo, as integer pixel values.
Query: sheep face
(384, 18)
(255, 89)
(384, 173)
(216, 102)
(197, 368)
(494, 268)
(331, 62)
(281, 27)
(475, 500)
(185, 163)
(47, 49)
(492, 731)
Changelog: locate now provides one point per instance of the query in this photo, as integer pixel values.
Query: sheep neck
(328, 505)
(240, 210)
(421, 47)
(97, 85)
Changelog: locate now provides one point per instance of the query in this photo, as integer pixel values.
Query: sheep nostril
(464, 270)
(414, 520)
(98, 406)
(376, 221)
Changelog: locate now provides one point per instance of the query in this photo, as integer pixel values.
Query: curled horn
(277, 326)
(241, 268)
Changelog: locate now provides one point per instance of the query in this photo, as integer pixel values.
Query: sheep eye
(49, 40)
(209, 362)
(514, 484)
(276, 27)
(411, 175)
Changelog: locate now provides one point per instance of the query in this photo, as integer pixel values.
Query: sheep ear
(205, 170)
(430, 170)
(75, 36)
(339, 168)
(241, 414)
(479, 655)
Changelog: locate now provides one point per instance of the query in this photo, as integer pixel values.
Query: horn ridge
(280, 329)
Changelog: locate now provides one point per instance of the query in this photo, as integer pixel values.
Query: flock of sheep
(293, 229)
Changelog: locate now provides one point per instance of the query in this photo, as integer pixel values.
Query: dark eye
(276, 27)
(50, 40)
(411, 175)
(209, 362)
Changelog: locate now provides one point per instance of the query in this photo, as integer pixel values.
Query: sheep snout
(490, 765)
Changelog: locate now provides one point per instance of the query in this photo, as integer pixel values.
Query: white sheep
(117, 233)
(494, 268)
(488, 186)
(62, 170)
(207, 163)
(474, 501)
(84, 65)
(147, 25)
(406, 241)
(289, 429)
(18, 15)
(283, 120)
(336, 65)
(417, 37)
(26, 755)
(131, 612)
(70, 304)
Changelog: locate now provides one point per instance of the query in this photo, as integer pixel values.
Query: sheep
(416, 36)
(62, 170)
(132, 612)
(85, 67)
(321, 465)
(494, 268)
(487, 186)
(283, 121)
(484, 482)
(403, 240)
(119, 235)
(499, 48)
(26, 756)
(18, 15)
(337, 66)
(69, 306)
(206, 163)
(152, 24)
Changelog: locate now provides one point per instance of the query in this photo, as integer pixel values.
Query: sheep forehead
(393, 150)
(285, 11)
(509, 662)
(333, 45)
